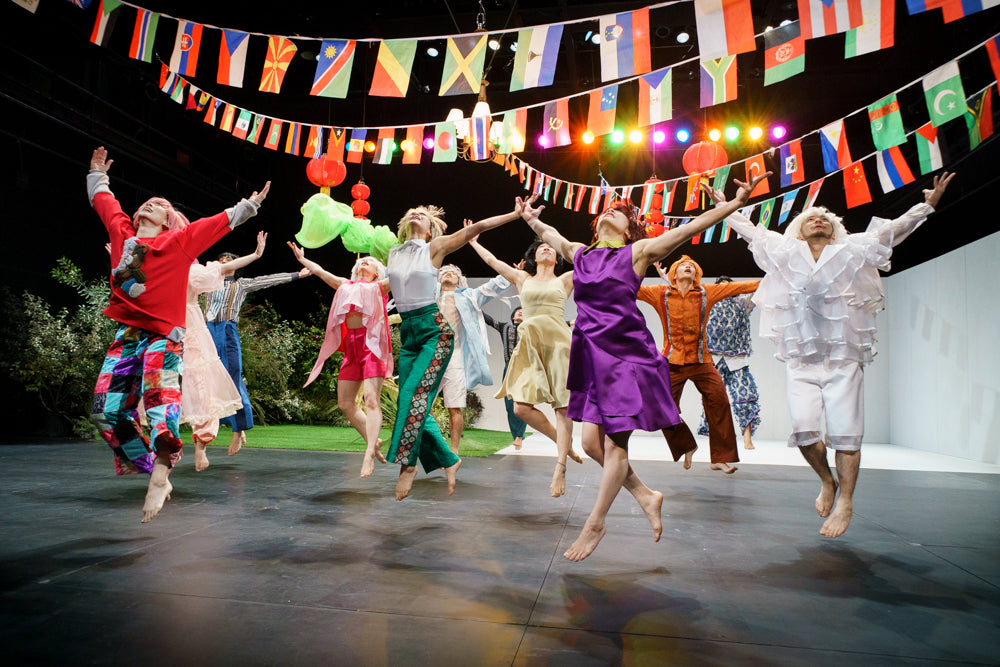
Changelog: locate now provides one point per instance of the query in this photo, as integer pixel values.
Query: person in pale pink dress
(357, 326)
(207, 390)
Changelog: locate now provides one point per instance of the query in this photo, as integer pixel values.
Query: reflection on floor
(288, 558)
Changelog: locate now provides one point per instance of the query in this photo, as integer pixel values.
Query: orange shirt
(684, 317)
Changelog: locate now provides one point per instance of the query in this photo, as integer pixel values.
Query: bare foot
(585, 544)
(748, 445)
(200, 457)
(157, 493)
(824, 501)
(573, 455)
(558, 485)
(838, 521)
(236, 444)
(378, 451)
(652, 506)
(451, 472)
(724, 467)
(406, 476)
(517, 443)
(687, 458)
(368, 464)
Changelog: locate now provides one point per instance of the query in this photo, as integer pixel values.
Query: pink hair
(175, 219)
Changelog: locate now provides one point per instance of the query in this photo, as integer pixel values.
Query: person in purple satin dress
(614, 363)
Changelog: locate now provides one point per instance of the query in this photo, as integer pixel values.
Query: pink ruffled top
(366, 298)
(815, 310)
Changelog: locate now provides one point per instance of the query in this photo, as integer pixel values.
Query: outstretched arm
(247, 208)
(442, 246)
(314, 268)
(515, 276)
(548, 233)
(231, 267)
(656, 248)
(97, 177)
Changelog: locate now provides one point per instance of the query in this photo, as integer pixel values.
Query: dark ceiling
(60, 96)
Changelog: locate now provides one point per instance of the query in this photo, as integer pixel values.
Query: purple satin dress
(617, 377)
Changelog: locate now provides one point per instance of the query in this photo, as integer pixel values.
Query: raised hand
(258, 197)
(261, 240)
(658, 265)
(300, 254)
(466, 223)
(529, 212)
(99, 160)
(520, 265)
(941, 182)
(743, 194)
(520, 204)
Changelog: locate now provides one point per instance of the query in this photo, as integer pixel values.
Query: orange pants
(721, 435)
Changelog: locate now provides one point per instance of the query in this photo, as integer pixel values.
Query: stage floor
(288, 558)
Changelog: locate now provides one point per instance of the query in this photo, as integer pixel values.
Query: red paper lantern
(654, 230)
(655, 215)
(360, 191)
(656, 201)
(360, 208)
(704, 157)
(325, 172)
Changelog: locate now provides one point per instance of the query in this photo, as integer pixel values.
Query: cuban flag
(184, 59)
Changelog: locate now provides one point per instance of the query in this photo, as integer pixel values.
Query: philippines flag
(893, 172)
(625, 44)
(184, 59)
(833, 140)
(232, 57)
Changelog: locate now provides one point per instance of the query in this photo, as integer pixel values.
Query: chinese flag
(856, 190)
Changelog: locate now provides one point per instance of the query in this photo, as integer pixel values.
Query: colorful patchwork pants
(143, 365)
(227, 344)
(426, 345)
(742, 390)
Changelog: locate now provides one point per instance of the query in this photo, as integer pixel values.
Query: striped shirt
(224, 305)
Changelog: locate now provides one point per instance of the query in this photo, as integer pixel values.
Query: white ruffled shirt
(817, 310)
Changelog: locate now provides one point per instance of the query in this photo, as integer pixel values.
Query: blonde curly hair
(433, 213)
(795, 226)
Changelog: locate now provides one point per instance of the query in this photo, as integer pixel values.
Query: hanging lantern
(704, 157)
(360, 208)
(325, 172)
(360, 191)
(654, 216)
(654, 230)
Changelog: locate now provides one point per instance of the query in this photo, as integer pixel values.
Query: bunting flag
(479, 137)
(766, 209)
(784, 53)
(463, 65)
(336, 143)
(144, 35)
(625, 44)
(314, 144)
(952, 10)
(581, 192)
(167, 79)
(668, 197)
(876, 33)
(886, 123)
(445, 143)
(710, 232)
(568, 199)
(721, 177)
(555, 119)
(228, 116)
(392, 69)
(242, 125)
(535, 58)
(384, 146)
(928, 148)
(725, 28)
(192, 102)
(82, 4)
(856, 190)
(944, 94)
(893, 172)
(107, 14)
(787, 202)
(513, 131)
(356, 146)
(213, 110)
(718, 81)
(595, 200)
(792, 170)
(555, 192)
(648, 190)
(833, 141)
(414, 145)
(232, 57)
(184, 59)
(256, 129)
(979, 118)
(273, 135)
(813, 193)
(691, 201)
(755, 167)
(601, 116)
(333, 68)
(828, 17)
(280, 52)
(293, 139)
(203, 99)
(177, 92)
(993, 50)
(655, 98)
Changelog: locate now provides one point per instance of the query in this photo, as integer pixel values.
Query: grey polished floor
(288, 558)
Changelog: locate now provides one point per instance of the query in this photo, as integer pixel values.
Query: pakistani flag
(886, 123)
(944, 94)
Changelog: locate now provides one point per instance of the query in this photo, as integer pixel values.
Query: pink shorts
(359, 361)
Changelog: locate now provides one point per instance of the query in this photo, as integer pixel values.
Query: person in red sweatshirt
(151, 253)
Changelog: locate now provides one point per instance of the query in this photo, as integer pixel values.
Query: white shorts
(453, 382)
(833, 390)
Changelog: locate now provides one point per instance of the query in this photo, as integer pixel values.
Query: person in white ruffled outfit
(818, 302)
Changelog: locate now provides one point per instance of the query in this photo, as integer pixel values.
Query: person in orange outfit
(683, 304)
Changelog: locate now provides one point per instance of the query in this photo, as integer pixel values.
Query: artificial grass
(475, 441)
